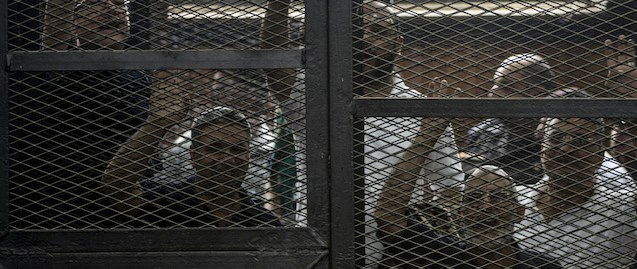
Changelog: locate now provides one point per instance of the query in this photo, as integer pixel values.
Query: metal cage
(356, 131)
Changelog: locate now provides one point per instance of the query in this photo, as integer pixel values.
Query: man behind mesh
(583, 209)
(508, 142)
(68, 125)
(424, 236)
(622, 81)
(219, 151)
(377, 74)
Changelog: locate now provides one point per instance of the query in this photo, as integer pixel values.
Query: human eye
(585, 140)
(557, 137)
(386, 31)
(499, 196)
(216, 146)
(237, 149)
(375, 29)
(473, 196)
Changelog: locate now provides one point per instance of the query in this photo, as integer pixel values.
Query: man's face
(489, 210)
(510, 82)
(221, 158)
(571, 150)
(381, 38)
(101, 23)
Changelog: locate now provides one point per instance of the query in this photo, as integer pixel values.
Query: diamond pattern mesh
(74, 161)
(437, 193)
(503, 192)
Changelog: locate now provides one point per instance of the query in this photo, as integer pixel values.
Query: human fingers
(623, 53)
(620, 52)
(440, 88)
(433, 88)
(446, 90)
(609, 53)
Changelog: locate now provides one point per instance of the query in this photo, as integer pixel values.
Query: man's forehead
(506, 71)
(487, 181)
(378, 21)
(376, 6)
(78, 3)
(378, 24)
(377, 13)
(572, 124)
(232, 129)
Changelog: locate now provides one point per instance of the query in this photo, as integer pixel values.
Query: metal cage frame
(329, 240)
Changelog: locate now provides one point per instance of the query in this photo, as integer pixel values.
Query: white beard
(494, 239)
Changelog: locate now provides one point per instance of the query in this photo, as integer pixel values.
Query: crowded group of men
(528, 193)
(579, 212)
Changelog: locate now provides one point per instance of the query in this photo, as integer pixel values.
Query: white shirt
(598, 234)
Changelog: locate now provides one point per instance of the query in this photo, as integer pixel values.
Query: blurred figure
(288, 88)
(509, 143)
(86, 24)
(622, 82)
(387, 138)
(73, 122)
(478, 234)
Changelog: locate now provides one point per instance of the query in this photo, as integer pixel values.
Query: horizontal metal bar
(503, 108)
(232, 260)
(317, 121)
(235, 239)
(148, 60)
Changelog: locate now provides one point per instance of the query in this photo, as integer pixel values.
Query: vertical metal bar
(4, 122)
(140, 25)
(359, 191)
(358, 126)
(317, 117)
(341, 134)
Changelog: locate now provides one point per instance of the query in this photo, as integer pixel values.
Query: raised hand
(432, 128)
(439, 88)
(169, 104)
(620, 60)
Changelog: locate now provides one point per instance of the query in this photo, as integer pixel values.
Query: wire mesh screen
(501, 192)
(156, 148)
(156, 25)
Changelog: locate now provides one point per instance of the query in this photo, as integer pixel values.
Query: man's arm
(620, 58)
(397, 191)
(276, 35)
(168, 107)
(58, 24)
(622, 81)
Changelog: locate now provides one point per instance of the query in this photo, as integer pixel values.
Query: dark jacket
(66, 127)
(171, 207)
